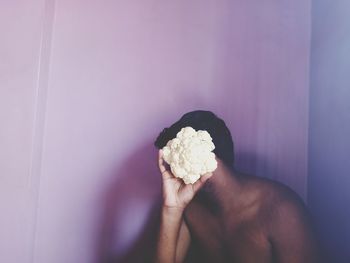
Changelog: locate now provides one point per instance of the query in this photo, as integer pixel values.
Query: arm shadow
(128, 224)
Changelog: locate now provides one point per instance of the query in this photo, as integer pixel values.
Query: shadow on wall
(131, 206)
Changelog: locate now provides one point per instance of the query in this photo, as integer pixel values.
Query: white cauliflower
(190, 154)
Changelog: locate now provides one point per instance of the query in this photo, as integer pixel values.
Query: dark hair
(203, 120)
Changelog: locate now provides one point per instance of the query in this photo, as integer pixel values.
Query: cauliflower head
(190, 154)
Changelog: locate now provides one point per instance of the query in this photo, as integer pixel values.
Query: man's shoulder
(275, 195)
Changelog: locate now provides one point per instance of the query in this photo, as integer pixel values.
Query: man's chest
(215, 241)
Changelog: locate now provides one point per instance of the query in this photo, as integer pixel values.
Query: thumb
(201, 181)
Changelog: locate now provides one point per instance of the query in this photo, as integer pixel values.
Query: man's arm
(171, 221)
(183, 243)
(174, 237)
(291, 234)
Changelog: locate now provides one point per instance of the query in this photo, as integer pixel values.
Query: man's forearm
(171, 219)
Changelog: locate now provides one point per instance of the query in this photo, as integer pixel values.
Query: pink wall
(21, 24)
(86, 86)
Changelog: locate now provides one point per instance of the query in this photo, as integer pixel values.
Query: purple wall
(329, 148)
(86, 87)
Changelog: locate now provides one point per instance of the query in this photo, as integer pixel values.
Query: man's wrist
(172, 211)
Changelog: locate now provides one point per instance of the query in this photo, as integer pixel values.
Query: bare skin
(230, 217)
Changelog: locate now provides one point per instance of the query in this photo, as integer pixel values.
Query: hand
(177, 194)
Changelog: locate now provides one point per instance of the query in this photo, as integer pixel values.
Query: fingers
(161, 162)
(165, 173)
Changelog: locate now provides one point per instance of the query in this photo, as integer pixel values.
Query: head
(203, 120)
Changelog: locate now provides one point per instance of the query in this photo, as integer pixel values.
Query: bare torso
(236, 237)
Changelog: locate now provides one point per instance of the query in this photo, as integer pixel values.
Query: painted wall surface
(87, 86)
(21, 25)
(329, 176)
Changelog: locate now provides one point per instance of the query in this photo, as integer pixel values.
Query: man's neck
(222, 191)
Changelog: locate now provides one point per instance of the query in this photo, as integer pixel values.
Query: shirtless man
(228, 216)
